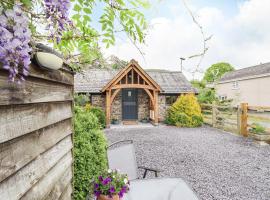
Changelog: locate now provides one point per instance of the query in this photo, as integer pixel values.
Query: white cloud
(242, 40)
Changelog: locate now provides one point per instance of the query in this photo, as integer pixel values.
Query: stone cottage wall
(143, 105)
(116, 109)
(98, 100)
(162, 107)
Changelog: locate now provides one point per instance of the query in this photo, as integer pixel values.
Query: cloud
(242, 40)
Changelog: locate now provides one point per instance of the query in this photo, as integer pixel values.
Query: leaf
(77, 8)
(27, 3)
(87, 10)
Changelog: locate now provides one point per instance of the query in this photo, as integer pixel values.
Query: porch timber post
(156, 107)
(108, 108)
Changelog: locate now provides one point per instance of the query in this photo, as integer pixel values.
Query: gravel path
(216, 164)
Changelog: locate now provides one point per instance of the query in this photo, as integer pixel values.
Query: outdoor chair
(121, 155)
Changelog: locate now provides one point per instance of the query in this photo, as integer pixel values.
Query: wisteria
(57, 15)
(14, 43)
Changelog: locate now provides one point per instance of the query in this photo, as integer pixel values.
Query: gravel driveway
(216, 164)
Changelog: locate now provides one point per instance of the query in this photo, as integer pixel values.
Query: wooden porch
(132, 76)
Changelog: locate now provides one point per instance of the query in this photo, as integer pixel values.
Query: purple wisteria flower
(15, 37)
(57, 14)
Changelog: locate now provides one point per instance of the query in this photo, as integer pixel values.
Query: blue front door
(130, 104)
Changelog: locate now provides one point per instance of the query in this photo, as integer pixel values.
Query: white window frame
(235, 85)
(222, 97)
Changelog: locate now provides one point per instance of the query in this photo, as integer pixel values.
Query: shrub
(81, 99)
(99, 113)
(89, 151)
(185, 112)
(257, 128)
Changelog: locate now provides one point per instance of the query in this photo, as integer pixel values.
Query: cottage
(248, 85)
(132, 94)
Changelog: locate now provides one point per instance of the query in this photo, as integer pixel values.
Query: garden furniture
(160, 189)
(121, 155)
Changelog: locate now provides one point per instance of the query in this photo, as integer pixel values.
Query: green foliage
(207, 95)
(82, 38)
(215, 72)
(198, 84)
(99, 113)
(257, 128)
(122, 14)
(81, 99)
(89, 152)
(185, 112)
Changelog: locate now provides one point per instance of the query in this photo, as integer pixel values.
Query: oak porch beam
(108, 108)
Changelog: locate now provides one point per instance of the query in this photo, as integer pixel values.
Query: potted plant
(258, 133)
(145, 120)
(110, 185)
(115, 121)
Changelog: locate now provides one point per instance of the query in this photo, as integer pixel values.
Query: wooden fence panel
(36, 135)
(19, 120)
(33, 91)
(17, 153)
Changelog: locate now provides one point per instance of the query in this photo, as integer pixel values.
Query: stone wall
(143, 105)
(116, 109)
(98, 100)
(162, 107)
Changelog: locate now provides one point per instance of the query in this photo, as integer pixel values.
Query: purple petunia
(106, 181)
(112, 190)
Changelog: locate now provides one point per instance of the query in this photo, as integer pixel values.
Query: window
(235, 85)
(222, 97)
(170, 100)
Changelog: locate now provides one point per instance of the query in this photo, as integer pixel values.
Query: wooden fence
(36, 135)
(235, 119)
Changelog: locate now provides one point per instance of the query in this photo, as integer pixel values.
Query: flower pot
(261, 137)
(144, 121)
(105, 197)
(116, 122)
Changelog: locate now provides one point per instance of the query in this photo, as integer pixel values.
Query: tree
(215, 72)
(74, 35)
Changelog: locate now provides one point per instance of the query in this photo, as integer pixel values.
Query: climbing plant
(70, 25)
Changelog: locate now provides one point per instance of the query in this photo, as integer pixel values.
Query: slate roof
(247, 72)
(93, 80)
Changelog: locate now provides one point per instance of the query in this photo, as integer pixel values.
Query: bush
(185, 112)
(99, 113)
(81, 99)
(257, 128)
(89, 151)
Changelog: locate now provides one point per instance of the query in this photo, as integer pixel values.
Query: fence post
(244, 110)
(214, 114)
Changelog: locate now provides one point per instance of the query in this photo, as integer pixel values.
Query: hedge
(89, 151)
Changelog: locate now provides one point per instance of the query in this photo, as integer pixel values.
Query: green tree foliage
(185, 112)
(215, 72)
(81, 99)
(89, 152)
(99, 113)
(207, 95)
(92, 22)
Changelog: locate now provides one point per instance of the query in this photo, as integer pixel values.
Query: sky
(239, 28)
